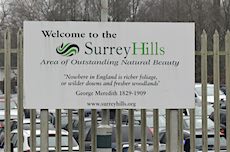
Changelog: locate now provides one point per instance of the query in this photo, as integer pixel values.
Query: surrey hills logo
(67, 49)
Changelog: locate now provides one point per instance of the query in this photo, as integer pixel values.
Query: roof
(38, 132)
(27, 121)
(199, 84)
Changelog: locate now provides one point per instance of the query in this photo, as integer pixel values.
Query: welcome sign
(100, 65)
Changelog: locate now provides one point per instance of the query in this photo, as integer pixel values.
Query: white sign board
(100, 65)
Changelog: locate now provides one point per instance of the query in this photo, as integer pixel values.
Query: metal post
(168, 131)
(104, 18)
(104, 134)
(20, 90)
(131, 130)
(143, 130)
(216, 80)
(81, 137)
(104, 131)
(94, 130)
(58, 130)
(204, 90)
(44, 130)
(104, 10)
(192, 130)
(180, 131)
(33, 130)
(227, 65)
(118, 130)
(7, 86)
(156, 130)
(70, 129)
(172, 130)
(105, 117)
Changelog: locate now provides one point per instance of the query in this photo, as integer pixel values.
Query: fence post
(180, 131)
(192, 130)
(70, 130)
(227, 77)
(44, 130)
(58, 129)
(143, 130)
(204, 90)
(20, 89)
(216, 72)
(131, 130)
(94, 130)
(33, 130)
(156, 129)
(81, 138)
(118, 130)
(7, 86)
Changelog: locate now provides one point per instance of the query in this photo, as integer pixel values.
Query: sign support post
(172, 128)
(104, 131)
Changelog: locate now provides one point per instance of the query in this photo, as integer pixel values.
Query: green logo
(67, 49)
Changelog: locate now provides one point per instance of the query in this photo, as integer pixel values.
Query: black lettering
(47, 33)
(89, 48)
